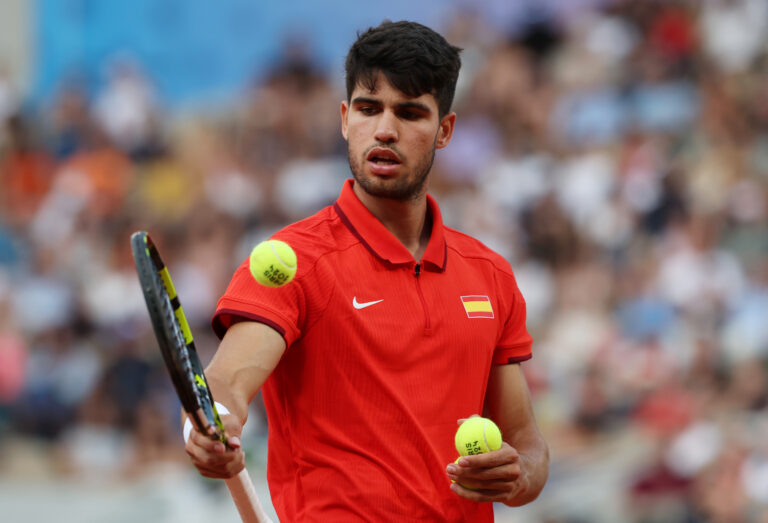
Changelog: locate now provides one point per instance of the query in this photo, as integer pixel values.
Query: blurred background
(615, 152)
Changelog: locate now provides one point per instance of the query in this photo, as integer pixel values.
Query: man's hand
(211, 457)
(493, 476)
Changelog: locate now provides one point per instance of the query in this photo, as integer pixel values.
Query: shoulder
(470, 249)
(316, 237)
(317, 233)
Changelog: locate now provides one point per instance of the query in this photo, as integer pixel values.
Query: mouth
(383, 156)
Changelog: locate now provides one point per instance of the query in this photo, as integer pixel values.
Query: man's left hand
(493, 476)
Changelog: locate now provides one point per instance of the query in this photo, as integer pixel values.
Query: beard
(409, 186)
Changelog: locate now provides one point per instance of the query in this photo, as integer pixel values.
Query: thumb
(233, 442)
(233, 427)
(462, 420)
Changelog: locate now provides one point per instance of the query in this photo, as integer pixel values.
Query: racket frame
(182, 362)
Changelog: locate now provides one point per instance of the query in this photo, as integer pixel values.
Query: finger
(233, 428)
(209, 445)
(208, 429)
(495, 458)
(221, 473)
(219, 464)
(489, 477)
(504, 473)
(233, 442)
(201, 458)
(462, 420)
(221, 469)
(479, 495)
(491, 487)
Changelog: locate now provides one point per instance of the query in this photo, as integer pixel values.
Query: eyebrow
(403, 105)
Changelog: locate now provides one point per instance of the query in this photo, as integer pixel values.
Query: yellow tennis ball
(273, 263)
(476, 436)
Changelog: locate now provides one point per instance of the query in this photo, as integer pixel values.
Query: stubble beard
(407, 187)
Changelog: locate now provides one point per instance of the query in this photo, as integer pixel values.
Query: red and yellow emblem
(477, 306)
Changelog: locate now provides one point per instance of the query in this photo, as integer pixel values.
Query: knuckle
(208, 461)
(509, 472)
(508, 486)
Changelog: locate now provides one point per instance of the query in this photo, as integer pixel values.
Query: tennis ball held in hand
(273, 263)
(476, 436)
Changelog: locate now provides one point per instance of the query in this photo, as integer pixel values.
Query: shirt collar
(382, 243)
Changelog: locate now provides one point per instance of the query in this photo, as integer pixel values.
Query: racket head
(174, 337)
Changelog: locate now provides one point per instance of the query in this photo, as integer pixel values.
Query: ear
(445, 132)
(344, 117)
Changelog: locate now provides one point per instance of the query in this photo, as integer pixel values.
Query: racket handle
(244, 495)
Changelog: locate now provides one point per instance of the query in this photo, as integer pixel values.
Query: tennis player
(394, 328)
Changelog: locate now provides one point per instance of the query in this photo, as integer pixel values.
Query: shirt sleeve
(515, 342)
(246, 300)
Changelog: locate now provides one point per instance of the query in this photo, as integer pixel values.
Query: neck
(407, 220)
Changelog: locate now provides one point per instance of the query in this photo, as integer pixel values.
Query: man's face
(391, 139)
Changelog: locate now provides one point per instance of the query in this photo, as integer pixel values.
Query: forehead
(380, 88)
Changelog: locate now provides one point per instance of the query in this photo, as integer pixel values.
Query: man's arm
(246, 357)
(516, 473)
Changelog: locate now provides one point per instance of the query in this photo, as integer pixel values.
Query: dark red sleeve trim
(235, 316)
(517, 359)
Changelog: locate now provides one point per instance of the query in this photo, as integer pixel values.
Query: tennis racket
(178, 349)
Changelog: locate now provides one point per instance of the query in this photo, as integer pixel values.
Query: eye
(408, 112)
(367, 110)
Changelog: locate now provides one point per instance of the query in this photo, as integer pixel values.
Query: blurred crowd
(616, 156)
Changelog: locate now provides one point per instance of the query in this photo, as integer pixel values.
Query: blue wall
(198, 50)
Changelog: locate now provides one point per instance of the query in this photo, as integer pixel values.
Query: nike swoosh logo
(357, 305)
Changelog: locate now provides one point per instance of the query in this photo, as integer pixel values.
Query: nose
(386, 128)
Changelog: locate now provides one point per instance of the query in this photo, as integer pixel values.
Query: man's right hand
(211, 457)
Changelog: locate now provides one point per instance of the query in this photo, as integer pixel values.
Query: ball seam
(277, 255)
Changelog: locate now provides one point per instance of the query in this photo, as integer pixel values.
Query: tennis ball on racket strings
(476, 436)
(273, 263)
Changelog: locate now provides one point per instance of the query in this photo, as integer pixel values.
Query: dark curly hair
(414, 59)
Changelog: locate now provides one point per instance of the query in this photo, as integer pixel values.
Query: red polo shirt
(384, 355)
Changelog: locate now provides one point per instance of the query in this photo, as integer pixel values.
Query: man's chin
(389, 188)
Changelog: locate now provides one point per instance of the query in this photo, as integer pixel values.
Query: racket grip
(244, 495)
